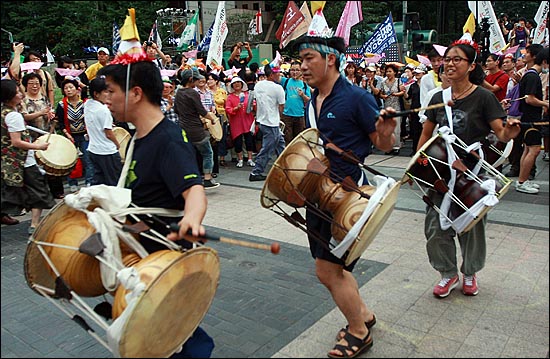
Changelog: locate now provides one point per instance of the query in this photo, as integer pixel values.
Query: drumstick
(52, 129)
(406, 112)
(274, 248)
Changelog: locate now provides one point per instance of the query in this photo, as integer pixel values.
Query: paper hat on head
(31, 66)
(129, 50)
(68, 72)
(440, 49)
(411, 62)
(319, 26)
(424, 60)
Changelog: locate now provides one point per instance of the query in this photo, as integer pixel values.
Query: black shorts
(532, 136)
(319, 235)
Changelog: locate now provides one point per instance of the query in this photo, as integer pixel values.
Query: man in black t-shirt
(236, 60)
(530, 87)
(163, 172)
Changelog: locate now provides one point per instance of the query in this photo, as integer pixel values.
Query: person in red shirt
(496, 80)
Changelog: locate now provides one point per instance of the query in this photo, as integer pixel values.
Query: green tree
(67, 27)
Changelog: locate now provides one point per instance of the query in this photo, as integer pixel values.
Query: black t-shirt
(240, 64)
(471, 114)
(530, 84)
(163, 166)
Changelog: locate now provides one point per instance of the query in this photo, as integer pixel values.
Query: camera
(25, 47)
(149, 43)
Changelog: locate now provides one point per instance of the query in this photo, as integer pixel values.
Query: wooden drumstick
(406, 112)
(52, 129)
(274, 248)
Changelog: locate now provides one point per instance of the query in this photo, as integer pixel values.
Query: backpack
(286, 83)
(515, 104)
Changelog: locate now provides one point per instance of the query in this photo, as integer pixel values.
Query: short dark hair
(68, 81)
(9, 90)
(268, 70)
(97, 85)
(144, 74)
(31, 75)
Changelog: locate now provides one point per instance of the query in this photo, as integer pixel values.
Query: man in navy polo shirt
(347, 116)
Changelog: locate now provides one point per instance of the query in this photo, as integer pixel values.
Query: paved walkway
(273, 306)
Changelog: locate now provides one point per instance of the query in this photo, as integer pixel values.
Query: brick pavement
(273, 306)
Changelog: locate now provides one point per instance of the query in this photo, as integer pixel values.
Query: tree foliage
(67, 27)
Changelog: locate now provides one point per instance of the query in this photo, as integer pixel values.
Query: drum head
(215, 130)
(374, 224)
(180, 289)
(414, 160)
(276, 180)
(123, 137)
(61, 153)
(63, 225)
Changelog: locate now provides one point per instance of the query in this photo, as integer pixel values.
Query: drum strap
(126, 167)
(383, 186)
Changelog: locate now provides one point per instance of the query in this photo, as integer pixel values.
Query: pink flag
(351, 16)
(68, 72)
(31, 66)
(424, 60)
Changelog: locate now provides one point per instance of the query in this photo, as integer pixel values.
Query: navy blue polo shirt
(347, 117)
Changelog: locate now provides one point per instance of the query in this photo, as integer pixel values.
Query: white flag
(49, 56)
(483, 9)
(219, 33)
(541, 18)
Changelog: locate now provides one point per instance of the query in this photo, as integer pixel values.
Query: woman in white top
(24, 186)
(103, 146)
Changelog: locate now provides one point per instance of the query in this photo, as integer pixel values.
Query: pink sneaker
(469, 285)
(445, 286)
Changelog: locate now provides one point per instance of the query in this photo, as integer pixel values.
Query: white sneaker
(74, 188)
(526, 188)
(532, 184)
(250, 163)
(240, 163)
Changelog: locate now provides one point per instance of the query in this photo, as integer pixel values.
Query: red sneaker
(469, 285)
(445, 286)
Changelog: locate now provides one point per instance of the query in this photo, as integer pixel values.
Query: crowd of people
(261, 109)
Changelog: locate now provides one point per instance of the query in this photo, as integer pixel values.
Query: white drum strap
(313, 124)
(127, 160)
(449, 137)
(383, 185)
(129, 278)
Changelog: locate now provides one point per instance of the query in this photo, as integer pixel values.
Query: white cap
(104, 49)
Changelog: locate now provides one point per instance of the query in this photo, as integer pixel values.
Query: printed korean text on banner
(292, 18)
(205, 42)
(482, 9)
(219, 33)
(383, 37)
(189, 35)
(351, 16)
(541, 18)
(302, 28)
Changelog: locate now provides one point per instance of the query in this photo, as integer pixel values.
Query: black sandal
(342, 331)
(355, 345)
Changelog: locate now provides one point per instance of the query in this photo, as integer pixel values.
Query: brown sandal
(342, 331)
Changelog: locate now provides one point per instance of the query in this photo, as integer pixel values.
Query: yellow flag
(265, 62)
(315, 5)
(411, 61)
(129, 30)
(470, 25)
